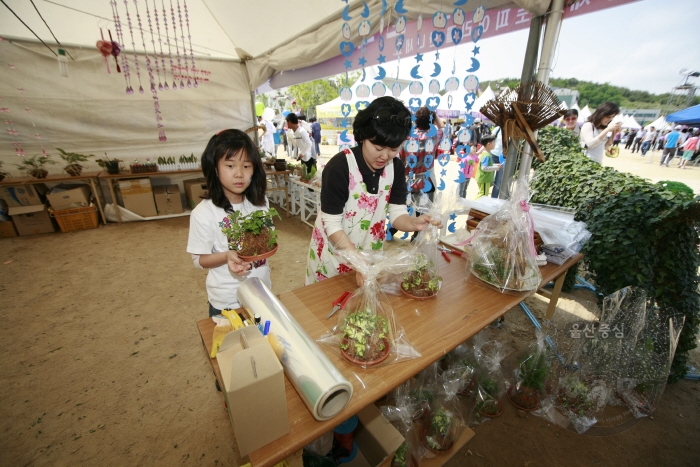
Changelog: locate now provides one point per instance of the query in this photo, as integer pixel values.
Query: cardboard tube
(321, 386)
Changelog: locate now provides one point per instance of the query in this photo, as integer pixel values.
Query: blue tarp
(689, 116)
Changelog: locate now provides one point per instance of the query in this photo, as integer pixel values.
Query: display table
(434, 327)
(279, 181)
(88, 177)
(306, 200)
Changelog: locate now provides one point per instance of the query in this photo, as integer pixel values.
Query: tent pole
(533, 45)
(551, 36)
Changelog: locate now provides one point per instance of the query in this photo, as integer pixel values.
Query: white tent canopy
(660, 124)
(583, 114)
(628, 121)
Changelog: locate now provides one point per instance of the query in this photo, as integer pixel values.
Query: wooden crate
(70, 220)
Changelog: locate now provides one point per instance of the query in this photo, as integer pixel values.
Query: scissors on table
(339, 303)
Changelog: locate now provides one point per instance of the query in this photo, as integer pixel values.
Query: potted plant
(112, 165)
(489, 404)
(306, 174)
(251, 235)
(404, 457)
(3, 174)
(364, 338)
(73, 159)
(34, 165)
(439, 433)
(574, 397)
(422, 282)
(532, 374)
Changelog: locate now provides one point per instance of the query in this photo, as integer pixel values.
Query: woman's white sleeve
(332, 223)
(589, 139)
(396, 210)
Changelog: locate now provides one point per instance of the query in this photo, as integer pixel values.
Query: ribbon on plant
(531, 226)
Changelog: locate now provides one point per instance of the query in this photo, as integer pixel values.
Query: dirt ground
(102, 362)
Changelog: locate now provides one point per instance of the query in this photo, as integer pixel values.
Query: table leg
(286, 193)
(551, 308)
(97, 199)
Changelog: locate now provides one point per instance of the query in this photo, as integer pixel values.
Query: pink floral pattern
(367, 202)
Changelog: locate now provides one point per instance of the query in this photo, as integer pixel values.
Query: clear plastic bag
(502, 250)
(367, 332)
(445, 423)
(407, 414)
(529, 373)
(490, 382)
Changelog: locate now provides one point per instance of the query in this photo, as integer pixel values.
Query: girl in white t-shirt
(236, 181)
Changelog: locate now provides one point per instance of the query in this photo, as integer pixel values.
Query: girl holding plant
(236, 180)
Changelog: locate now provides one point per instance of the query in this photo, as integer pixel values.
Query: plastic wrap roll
(322, 387)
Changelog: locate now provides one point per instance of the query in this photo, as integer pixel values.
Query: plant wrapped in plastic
(406, 414)
(462, 359)
(491, 384)
(446, 422)
(502, 251)
(530, 375)
(367, 332)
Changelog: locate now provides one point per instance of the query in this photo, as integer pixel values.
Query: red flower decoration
(343, 268)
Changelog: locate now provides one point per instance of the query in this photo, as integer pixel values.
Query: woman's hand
(359, 278)
(236, 264)
(422, 222)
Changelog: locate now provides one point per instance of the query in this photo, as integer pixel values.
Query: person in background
(630, 137)
(689, 147)
(277, 138)
(498, 152)
(425, 149)
(670, 146)
(302, 141)
(292, 151)
(638, 138)
(268, 137)
(447, 132)
(316, 134)
(470, 160)
(598, 132)
(571, 121)
(236, 179)
(359, 187)
(485, 170)
(648, 140)
(478, 130)
(307, 126)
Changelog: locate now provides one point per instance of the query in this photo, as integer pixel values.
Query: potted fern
(364, 338)
(532, 374)
(73, 159)
(34, 166)
(251, 235)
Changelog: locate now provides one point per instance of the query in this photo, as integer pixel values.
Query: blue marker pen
(267, 328)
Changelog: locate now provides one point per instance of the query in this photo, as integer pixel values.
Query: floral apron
(364, 219)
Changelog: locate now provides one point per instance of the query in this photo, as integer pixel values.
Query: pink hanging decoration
(167, 41)
(116, 50)
(177, 48)
(133, 43)
(153, 42)
(120, 38)
(189, 36)
(105, 49)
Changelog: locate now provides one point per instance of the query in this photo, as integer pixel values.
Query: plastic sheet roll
(322, 387)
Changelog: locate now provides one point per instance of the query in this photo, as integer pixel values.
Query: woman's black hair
(391, 135)
(487, 139)
(606, 109)
(225, 145)
(571, 113)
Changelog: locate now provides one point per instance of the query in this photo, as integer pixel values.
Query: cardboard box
(31, 220)
(7, 229)
(24, 195)
(167, 199)
(194, 190)
(254, 389)
(137, 196)
(66, 196)
(376, 438)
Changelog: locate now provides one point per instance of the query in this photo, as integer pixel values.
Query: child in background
(486, 169)
(236, 180)
(471, 160)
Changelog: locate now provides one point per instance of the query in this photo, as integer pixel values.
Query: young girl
(486, 169)
(236, 180)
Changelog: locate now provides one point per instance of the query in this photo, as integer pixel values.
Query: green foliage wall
(643, 235)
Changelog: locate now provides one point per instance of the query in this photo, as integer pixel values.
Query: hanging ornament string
(105, 48)
(116, 50)
(471, 81)
(160, 44)
(120, 38)
(189, 37)
(452, 83)
(184, 48)
(177, 50)
(170, 52)
(153, 43)
(346, 49)
(133, 44)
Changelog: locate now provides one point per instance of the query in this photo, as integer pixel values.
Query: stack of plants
(643, 235)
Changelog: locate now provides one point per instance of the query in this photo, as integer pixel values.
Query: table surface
(434, 327)
(106, 175)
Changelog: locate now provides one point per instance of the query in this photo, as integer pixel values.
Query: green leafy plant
(112, 165)
(439, 435)
(574, 395)
(252, 234)
(34, 165)
(364, 335)
(306, 174)
(489, 403)
(422, 280)
(532, 374)
(676, 187)
(73, 159)
(642, 236)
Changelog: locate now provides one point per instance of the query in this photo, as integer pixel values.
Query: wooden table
(89, 177)
(434, 327)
